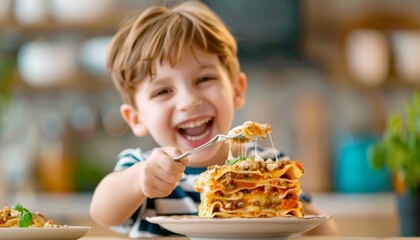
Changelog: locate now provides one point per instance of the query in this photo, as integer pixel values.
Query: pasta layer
(251, 188)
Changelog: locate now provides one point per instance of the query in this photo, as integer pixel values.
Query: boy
(179, 77)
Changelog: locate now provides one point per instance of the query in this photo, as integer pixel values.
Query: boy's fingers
(158, 186)
(177, 152)
(184, 161)
(172, 152)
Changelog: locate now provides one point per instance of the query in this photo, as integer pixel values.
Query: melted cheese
(250, 130)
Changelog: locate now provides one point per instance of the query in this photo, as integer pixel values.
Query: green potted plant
(398, 150)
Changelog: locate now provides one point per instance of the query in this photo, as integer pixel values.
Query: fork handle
(185, 154)
(215, 139)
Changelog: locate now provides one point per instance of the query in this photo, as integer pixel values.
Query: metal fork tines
(215, 139)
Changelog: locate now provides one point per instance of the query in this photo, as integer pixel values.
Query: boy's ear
(239, 89)
(132, 118)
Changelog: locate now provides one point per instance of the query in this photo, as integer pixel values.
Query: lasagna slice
(250, 130)
(251, 188)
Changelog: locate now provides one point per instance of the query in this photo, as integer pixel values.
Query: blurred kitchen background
(325, 74)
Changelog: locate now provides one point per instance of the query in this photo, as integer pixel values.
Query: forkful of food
(239, 134)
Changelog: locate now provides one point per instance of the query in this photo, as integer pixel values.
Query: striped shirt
(182, 201)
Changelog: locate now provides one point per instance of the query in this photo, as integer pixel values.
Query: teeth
(196, 138)
(194, 124)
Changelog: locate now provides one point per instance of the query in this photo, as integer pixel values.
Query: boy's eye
(205, 79)
(161, 92)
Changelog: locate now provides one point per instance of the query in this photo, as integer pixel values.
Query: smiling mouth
(195, 130)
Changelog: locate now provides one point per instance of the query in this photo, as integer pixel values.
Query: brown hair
(163, 33)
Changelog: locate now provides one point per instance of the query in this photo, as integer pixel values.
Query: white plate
(68, 233)
(238, 228)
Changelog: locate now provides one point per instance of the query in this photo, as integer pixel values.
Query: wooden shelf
(106, 24)
(91, 29)
(78, 81)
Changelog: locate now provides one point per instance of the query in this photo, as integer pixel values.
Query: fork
(215, 139)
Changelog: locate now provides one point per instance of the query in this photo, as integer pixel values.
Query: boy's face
(187, 105)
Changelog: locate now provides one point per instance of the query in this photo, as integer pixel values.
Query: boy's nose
(188, 101)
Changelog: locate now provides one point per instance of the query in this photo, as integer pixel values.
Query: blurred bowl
(30, 11)
(80, 11)
(368, 56)
(406, 46)
(42, 63)
(92, 55)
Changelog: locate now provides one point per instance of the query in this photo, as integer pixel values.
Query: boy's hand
(160, 173)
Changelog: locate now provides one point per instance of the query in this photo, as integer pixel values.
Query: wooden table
(121, 238)
(291, 238)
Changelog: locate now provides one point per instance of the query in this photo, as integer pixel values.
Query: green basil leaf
(234, 160)
(18, 207)
(25, 219)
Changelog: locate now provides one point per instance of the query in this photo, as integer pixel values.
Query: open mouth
(195, 130)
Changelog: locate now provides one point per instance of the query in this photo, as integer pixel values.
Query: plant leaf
(399, 147)
(18, 207)
(25, 219)
(234, 160)
(376, 155)
(25, 216)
